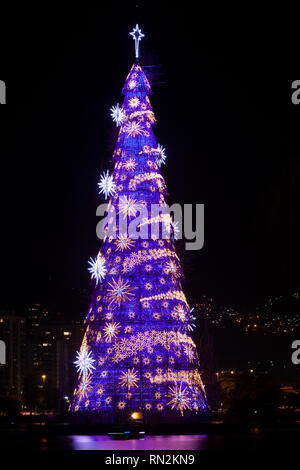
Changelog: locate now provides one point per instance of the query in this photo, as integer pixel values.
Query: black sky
(224, 115)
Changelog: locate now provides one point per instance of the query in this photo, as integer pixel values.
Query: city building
(52, 343)
(13, 335)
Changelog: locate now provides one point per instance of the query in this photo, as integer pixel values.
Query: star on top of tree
(137, 35)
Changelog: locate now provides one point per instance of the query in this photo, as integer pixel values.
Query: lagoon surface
(254, 439)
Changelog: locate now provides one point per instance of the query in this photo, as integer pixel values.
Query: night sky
(222, 99)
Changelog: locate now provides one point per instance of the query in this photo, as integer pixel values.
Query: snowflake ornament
(176, 230)
(161, 160)
(117, 113)
(107, 186)
(191, 326)
(97, 268)
(84, 361)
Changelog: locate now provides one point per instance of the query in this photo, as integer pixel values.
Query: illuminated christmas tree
(137, 353)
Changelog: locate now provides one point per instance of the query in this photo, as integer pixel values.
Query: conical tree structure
(137, 352)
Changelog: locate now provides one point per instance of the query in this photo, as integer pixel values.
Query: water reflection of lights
(180, 442)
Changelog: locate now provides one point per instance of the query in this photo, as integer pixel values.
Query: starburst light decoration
(133, 129)
(111, 330)
(128, 206)
(117, 113)
(97, 268)
(161, 160)
(85, 387)
(119, 291)
(129, 379)
(176, 229)
(191, 325)
(124, 242)
(106, 185)
(180, 398)
(84, 361)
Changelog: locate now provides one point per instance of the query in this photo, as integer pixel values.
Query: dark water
(255, 439)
